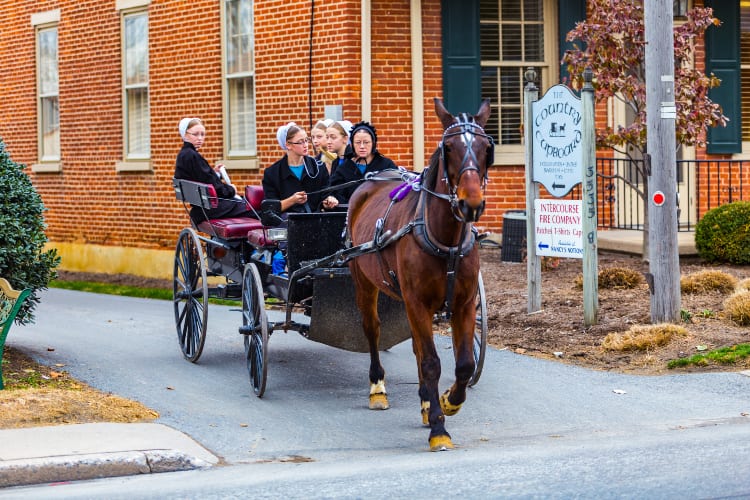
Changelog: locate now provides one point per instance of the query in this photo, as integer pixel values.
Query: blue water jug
(278, 263)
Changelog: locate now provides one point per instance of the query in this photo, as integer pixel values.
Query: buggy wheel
(254, 328)
(480, 332)
(190, 295)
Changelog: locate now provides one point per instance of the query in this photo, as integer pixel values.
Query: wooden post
(589, 201)
(533, 263)
(664, 259)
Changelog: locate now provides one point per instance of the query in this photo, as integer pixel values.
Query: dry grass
(38, 395)
(643, 337)
(737, 307)
(707, 281)
(615, 278)
(744, 284)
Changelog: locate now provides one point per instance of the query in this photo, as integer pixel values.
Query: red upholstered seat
(236, 227)
(257, 238)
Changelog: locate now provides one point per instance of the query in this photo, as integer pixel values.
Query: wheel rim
(255, 329)
(480, 332)
(190, 295)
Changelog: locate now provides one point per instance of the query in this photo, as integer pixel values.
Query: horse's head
(466, 153)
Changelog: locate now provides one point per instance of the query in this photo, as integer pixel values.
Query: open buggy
(234, 259)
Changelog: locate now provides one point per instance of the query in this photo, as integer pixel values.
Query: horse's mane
(430, 179)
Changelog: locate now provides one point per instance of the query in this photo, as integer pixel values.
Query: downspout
(366, 60)
(417, 86)
(310, 68)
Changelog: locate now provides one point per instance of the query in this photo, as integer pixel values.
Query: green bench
(10, 303)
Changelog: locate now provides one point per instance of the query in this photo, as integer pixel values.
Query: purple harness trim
(400, 192)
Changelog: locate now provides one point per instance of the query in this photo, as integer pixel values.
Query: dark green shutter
(723, 60)
(571, 12)
(462, 77)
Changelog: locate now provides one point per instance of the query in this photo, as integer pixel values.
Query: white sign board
(558, 228)
(557, 149)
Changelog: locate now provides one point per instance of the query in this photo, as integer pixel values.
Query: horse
(426, 256)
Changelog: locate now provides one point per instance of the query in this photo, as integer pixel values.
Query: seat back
(195, 193)
(254, 196)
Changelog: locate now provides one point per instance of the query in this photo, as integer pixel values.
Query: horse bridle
(467, 130)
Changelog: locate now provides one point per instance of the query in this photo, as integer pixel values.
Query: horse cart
(233, 259)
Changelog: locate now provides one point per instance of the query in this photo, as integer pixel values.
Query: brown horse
(428, 258)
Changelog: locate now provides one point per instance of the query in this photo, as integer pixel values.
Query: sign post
(560, 154)
(533, 261)
(589, 198)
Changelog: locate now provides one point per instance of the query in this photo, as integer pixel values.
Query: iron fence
(701, 186)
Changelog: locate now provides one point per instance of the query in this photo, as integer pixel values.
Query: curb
(26, 472)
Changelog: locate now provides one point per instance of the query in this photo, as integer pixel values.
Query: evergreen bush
(23, 260)
(723, 234)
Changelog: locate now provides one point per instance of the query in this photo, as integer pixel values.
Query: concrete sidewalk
(87, 451)
(631, 242)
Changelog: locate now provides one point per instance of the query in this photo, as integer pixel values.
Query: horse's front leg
(463, 322)
(428, 364)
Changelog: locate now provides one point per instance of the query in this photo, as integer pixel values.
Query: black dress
(348, 171)
(279, 183)
(191, 166)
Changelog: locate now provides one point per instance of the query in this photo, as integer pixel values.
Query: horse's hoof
(379, 402)
(426, 413)
(441, 443)
(448, 408)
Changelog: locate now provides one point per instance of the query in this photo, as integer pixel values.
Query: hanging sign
(558, 228)
(557, 140)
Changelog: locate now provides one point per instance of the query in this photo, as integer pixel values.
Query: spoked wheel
(190, 295)
(480, 332)
(254, 328)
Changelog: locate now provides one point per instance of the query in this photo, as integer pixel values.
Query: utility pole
(661, 166)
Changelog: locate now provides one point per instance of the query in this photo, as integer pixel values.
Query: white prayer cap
(281, 134)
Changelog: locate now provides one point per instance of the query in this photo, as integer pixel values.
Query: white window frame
(236, 158)
(745, 154)
(134, 160)
(547, 72)
(48, 161)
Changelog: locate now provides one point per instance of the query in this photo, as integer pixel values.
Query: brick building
(92, 92)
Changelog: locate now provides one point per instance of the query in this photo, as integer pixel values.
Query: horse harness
(413, 182)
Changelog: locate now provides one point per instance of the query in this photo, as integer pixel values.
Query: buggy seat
(204, 196)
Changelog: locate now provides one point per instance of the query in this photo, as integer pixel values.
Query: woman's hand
(299, 198)
(330, 202)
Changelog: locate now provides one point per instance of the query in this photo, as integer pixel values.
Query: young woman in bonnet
(365, 158)
(296, 178)
(190, 165)
(319, 143)
(337, 138)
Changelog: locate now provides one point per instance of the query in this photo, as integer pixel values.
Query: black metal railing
(701, 186)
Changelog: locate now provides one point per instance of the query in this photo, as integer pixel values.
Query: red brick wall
(89, 202)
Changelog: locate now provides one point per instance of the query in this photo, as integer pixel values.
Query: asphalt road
(533, 427)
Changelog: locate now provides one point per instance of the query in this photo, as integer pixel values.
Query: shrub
(737, 307)
(23, 260)
(642, 337)
(723, 234)
(707, 281)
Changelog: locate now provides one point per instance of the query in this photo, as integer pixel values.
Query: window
(514, 34)
(136, 115)
(48, 99)
(239, 79)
